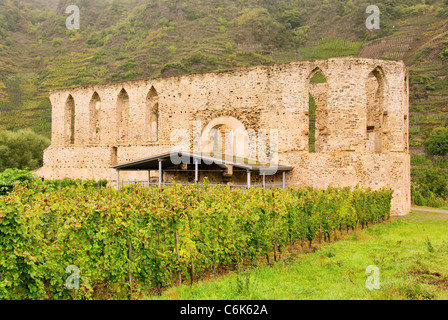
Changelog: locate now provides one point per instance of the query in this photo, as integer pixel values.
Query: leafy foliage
(10, 177)
(22, 149)
(430, 186)
(153, 235)
(438, 141)
(67, 182)
(38, 53)
(293, 17)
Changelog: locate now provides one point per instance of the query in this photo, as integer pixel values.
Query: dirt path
(429, 210)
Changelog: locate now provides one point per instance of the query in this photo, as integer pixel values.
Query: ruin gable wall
(362, 113)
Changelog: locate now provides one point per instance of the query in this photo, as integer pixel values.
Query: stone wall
(361, 121)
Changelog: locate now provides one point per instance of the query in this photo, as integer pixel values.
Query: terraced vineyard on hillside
(139, 39)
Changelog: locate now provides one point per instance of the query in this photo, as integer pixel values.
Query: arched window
(94, 126)
(69, 120)
(122, 116)
(376, 113)
(152, 115)
(317, 115)
(312, 125)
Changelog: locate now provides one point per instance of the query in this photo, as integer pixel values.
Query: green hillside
(135, 39)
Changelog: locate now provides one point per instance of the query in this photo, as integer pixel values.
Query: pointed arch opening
(312, 125)
(152, 115)
(69, 120)
(317, 112)
(95, 110)
(122, 116)
(377, 115)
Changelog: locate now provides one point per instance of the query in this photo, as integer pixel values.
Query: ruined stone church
(339, 122)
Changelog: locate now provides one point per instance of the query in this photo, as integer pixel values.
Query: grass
(331, 47)
(411, 253)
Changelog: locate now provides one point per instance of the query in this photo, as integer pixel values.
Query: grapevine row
(141, 238)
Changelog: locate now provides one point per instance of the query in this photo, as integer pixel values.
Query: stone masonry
(361, 133)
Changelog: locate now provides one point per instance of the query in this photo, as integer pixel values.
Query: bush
(431, 200)
(213, 60)
(10, 177)
(22, 149)
(293, 18)
(229, 47)
(430, 187)
(67, 182)
(173, 69)
(96, 39)
(57, 42)
(437, 142)
(128, 65)
(130, 74)
(195, 58)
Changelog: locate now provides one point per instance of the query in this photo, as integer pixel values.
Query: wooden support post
(248, 179)
(118, 179)
(196, 170)
(149, 178)
(284, 180)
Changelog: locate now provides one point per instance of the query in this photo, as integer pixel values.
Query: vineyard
(136, 241)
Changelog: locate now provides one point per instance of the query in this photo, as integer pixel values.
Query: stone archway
(225, 135)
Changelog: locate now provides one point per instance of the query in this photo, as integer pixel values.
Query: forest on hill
(136, 39)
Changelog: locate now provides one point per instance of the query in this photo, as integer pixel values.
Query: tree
(300, 36)
(229, 47)
(437, 142)
(22, 149)
(293, 17)
(432, 180)
(10, 177)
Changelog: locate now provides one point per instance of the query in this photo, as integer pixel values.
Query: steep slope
(134, 39)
